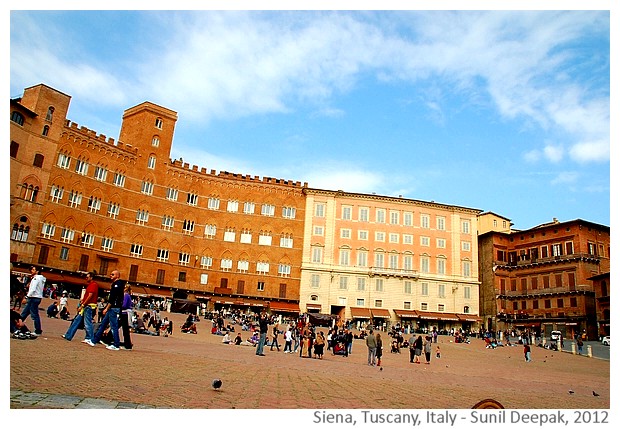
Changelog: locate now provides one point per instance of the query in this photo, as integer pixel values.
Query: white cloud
(590, 151)
(565, 177)
(533, 155)
(553, 153)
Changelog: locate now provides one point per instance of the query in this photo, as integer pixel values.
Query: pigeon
(217, 383)
(595, 394)
(571, 392)
(381, 369)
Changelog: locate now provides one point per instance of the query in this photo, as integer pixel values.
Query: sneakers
(89, 342)
(104, 343)
(125, 348)
(112, 347)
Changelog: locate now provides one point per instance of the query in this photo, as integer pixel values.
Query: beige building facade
(378, 260)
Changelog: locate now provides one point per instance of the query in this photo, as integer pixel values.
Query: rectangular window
(75, 199)
(167, 222)
(441, 266)
(425, 241)
(407, 287)
(361, 283)
(558, 280)
(467, 292)
(393, 261)
(345, 233)
(424, 289)
(423, 306)
(466, 268)
(408, 262)
(135, 250)
(379, 236)
(182, 276)
(67, 235)
(232, 206)
(284, 270)
(359, 302)
(142, 217)
(407, 239)
(245, 237)
(408, 219)
(262, 267)
(264, 239)
(56, 194)
(315, 281)
(465, 227)
(394, 217)
(172, 194)
(379, 285)
(147, 188)
(317, 230)
(441, 291)
(106, 244)
(289, 212)
(226, 264)
(380, 216)
(465, 246)
(317, 255)
(87, 239)
(64, 161)
(441, 307)
(206, 261)
(192, 199)
(286, 240)
(379, 260)
(267, 210)
(345, 257)
(441, 243)
(343, 284)
(260, 286)
(362, 235)
(213, 203)
(441, 223)
(210, 231)
(243, 266)
(119, 180)
(407, 305)
(319, 210)
(151, 162)
(378, 303)
(362, 258)
(424, 264)
(64, 253)
(161, 276)
(100, 173)
(81, 167)
(425, 221)
(248, 208)
(546, 281)
(346, 212)
(188, 226)
(556, 249)
(363, 214)
(393, 238)
(163, 255)
(229, 235)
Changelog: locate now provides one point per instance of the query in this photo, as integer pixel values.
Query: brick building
(539, 279)
(81, 201)
(386, 260)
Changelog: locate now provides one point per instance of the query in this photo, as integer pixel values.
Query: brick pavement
(176, 372)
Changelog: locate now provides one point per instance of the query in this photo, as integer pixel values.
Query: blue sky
(503, 111)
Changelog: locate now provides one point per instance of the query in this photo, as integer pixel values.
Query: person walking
(348, 342)
(527, 352)
(264, 328)
(34, 296)
(85, 311)
(274, 341)
(126, 313)
(379, 348)
(428, 348)
(371, 343)
(112, 311)
(418, 345)
(288, 341)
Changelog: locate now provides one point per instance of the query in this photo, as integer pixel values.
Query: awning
(310, 306)
(469, 318)
(157, 292)
(406, 314)
(380, 312)
(64, 278)
(430, 315)
(139, 291)
(360, 313)
(290, 307)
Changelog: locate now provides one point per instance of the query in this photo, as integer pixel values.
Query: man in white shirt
(34, 296)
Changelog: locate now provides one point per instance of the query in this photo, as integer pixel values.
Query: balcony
(546, 291)
(392, 272)
(537, 262)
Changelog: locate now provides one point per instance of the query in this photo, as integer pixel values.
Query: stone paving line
(176, 373)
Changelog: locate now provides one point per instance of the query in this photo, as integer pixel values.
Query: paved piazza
(176, 372)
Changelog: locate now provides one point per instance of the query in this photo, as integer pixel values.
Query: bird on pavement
(595, 394)
(571, 392)
(216, 384)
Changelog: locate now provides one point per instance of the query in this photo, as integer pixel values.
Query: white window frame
(163, 255)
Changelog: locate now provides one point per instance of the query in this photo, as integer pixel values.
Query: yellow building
(379, 260)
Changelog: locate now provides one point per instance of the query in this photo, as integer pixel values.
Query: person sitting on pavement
(238, 339)
(226, 338)
(64, 314)
(52, 310)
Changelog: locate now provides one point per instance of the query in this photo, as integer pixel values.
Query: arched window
(20, 232)
(46, 130)
(17, 117)
(50, 114)
(29, 192)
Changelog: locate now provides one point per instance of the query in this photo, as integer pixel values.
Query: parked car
(605, 340)
(555, 335)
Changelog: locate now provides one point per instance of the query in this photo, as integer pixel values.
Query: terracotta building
(539, 279)
(380, 260)
(602, 288)
(81, 201)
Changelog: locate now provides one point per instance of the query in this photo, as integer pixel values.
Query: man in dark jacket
(264, 328)
(112, 311)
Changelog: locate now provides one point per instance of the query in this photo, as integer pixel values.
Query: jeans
(32, 309)
(372, 355)
(126, 331)
(261, 343)
(110, 318)
(88, 324)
